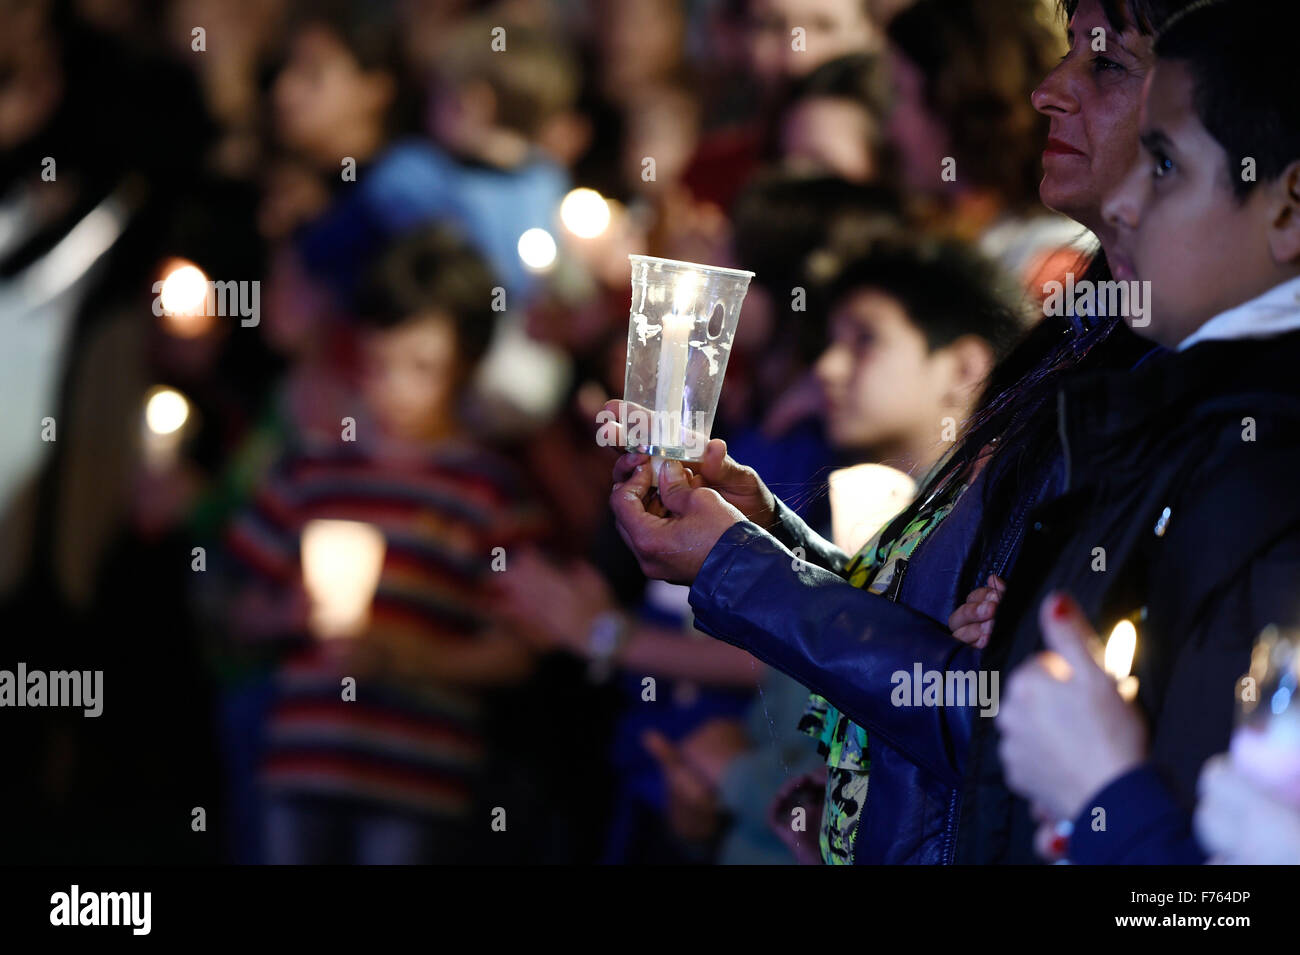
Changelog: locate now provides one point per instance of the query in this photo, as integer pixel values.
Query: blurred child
(389, 777)
(834, 123)
(914, 333)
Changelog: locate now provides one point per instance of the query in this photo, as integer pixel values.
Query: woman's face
(1092, 101)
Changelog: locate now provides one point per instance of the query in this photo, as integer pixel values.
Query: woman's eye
(1104, 64)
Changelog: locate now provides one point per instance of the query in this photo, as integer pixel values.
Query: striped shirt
(399, 743)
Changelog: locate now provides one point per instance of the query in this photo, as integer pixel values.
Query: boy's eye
(1161, 166)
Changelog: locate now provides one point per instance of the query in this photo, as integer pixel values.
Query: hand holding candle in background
(1066, 731)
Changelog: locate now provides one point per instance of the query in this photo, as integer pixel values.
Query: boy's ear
(972, 363)
(1284, 220)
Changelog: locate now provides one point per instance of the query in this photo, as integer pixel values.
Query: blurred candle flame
(1120, 649)
(585, 213)
(537, 249)
(183, 296)
(341, 564)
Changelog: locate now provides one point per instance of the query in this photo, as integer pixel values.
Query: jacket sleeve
(1143, 825)
(791, 530)
(857, 649)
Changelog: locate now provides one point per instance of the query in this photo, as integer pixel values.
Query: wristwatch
(607, 636)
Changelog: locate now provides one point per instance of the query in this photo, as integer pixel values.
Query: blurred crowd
(422, 212)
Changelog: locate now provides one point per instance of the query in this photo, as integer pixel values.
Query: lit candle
(341, 564)
(166, 412)
(1120, 649)
(674, 351)
(863, 499)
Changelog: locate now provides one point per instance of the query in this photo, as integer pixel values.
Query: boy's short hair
(534, 79)
(431, 271)
(1242, 59)
(948, 289)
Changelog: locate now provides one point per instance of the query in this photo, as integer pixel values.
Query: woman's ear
(1284, 216)
(972, 360)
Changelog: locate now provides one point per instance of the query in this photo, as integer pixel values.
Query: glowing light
(1120, 649)
(585, 213)
(537, 249)
(166, 410)
(183, 298)
(341, 564)
(863, 499)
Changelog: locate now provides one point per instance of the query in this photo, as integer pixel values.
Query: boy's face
(323, 89)
(883, 386)
(1178, 224)
(410, 375)
(830, 136)
(832, 28)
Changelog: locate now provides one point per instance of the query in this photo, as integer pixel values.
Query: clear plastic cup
(681, 326)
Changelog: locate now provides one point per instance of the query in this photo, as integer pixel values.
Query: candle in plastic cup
(1266, 743)
(341, 564)
(864, 498)
(680, 331)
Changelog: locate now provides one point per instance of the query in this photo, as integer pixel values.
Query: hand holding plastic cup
(681, 327)
(1266, 743)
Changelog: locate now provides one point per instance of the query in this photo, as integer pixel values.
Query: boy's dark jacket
(1185, 472)
(1169, 434)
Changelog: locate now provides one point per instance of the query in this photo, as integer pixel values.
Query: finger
(628, 502)
(1067, 632)
(611, 433)
(971, 634)
(674, 487)
(627, 464)
(714, 462)
(997, 583)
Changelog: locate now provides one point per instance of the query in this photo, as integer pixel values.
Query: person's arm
(666, 654)
(1145, 825)
(791, 530)
(851, 646)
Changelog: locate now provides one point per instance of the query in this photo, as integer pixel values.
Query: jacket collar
(1275, 312)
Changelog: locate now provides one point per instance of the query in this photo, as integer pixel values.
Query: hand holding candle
(1066, 732)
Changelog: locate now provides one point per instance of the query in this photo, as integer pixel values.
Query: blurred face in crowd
(917, 135)
(826, 135)
(1180, 225)
(831, 28)
(324, 101)
(885, 389)
(410, 375)
(1092, 101)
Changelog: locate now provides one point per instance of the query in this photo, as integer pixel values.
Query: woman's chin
(1067, 198)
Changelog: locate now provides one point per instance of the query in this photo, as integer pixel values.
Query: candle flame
(1120, 649)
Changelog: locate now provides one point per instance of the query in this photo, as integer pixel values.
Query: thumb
(1067, 631)
(674, 486)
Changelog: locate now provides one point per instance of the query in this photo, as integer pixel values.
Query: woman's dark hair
(1241, 56)
(981, 61)
(432, 272)
(948, 289)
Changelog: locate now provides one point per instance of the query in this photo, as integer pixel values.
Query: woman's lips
(1056, 147)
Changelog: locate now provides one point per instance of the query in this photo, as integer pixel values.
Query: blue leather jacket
(846, 644)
